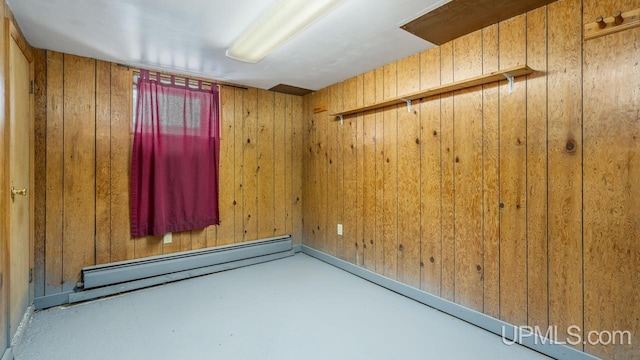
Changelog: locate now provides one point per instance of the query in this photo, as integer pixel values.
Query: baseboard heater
(125, 271)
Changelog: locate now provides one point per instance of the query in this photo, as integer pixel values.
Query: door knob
(21, 192)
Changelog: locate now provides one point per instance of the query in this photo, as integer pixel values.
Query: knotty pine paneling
(510, 212)
(84, 122)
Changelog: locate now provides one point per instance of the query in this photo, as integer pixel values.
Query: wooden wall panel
(226, 197)
(467, 137)
(333, 164)
(431, 176)
(513, 177)
(40, 169)
(55, 173)
(279, 165)
(491, 174)
(103, 163)
(565, 166)
(250, 165)
(238, 143)
(265, 171)
(322, 160)
(288, 200)
(309, 168)
(297, 151)
(369, 173)
(447, 286)
(350, 175)
(122, 247)
(359, 96)
(390, 206)
(369, 186)
(537, 272)
(379, 175)
(408, 164)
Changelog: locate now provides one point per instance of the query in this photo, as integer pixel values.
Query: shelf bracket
(510, 78)
(408, 101)
(341, 117)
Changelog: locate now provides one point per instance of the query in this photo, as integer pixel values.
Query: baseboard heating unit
(108, 279)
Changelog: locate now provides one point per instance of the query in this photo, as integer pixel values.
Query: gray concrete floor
(294, 308)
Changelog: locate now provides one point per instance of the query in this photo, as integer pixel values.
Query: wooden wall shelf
(506, 74)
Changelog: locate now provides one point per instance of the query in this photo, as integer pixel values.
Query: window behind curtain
(174, 166)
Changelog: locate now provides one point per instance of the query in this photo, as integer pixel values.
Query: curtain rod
(166, 74)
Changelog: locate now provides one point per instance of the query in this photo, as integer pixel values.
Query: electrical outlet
(339, 229)
(167, 239)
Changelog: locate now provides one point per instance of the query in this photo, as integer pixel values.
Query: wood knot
(330, 161)
(501, 205)
(435, 133)
(478, 268)
(418, 141)
(432, 260)
(297, 199)
(571, 146)
(388, 160)
(234, 202)
(457, 159)
(371, 242)
(421, 264)
(401, 247)
(248, 141)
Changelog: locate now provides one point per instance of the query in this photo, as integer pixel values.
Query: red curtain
(174, 165)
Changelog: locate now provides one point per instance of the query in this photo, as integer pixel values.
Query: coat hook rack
(619, 21)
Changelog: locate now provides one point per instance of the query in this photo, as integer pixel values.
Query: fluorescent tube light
(286, 19)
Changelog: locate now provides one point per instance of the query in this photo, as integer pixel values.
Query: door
(20, 157)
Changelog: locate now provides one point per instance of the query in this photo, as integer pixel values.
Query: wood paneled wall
(83, 140)
(521, 205)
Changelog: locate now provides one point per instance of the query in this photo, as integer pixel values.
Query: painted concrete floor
(294, 308)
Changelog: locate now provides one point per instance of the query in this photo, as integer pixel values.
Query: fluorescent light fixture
(286, 19)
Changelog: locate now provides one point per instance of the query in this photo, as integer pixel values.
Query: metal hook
(341, 119)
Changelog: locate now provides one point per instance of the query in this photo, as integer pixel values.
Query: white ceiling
(191, 36)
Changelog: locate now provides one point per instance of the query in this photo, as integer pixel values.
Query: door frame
(12, 32)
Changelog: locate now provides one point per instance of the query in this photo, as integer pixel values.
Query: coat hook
(601, 23)
(341, 117)
(617, 17)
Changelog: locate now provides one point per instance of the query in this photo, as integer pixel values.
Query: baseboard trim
(488, 323)
(8, 354)
(17, 337)
(215, 260)
(164, 279)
